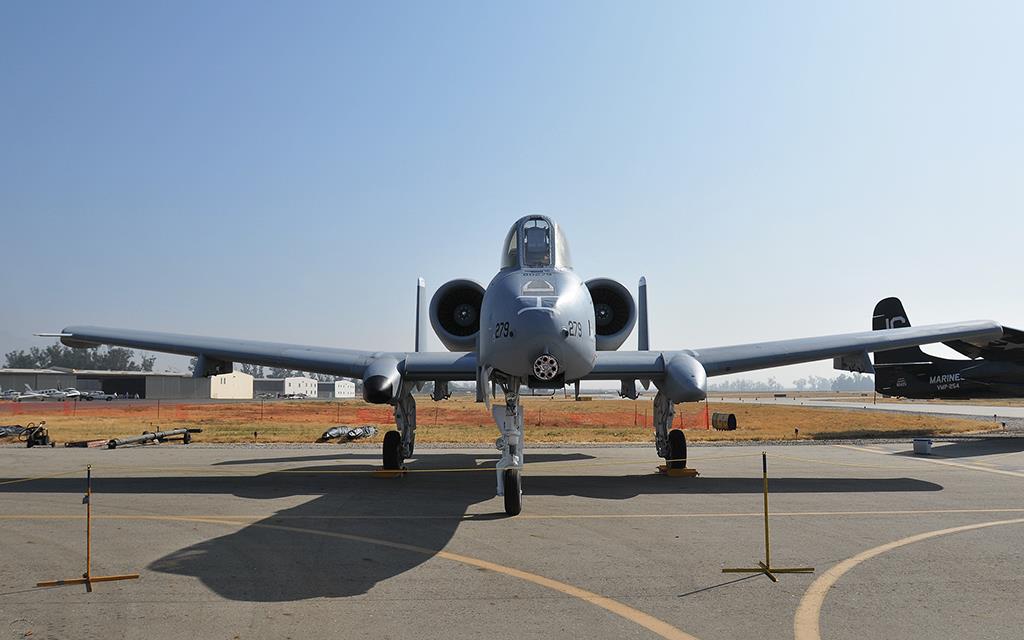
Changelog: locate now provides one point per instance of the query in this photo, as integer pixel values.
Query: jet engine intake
(455, 314)
(614, 311)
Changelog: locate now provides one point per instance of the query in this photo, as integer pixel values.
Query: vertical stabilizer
(890, 314)
(642, 335)
(421, 315)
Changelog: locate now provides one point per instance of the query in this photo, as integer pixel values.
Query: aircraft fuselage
(952, 379)
(528, 314)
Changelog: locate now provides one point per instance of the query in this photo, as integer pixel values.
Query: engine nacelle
(614, 311)
(455, 314)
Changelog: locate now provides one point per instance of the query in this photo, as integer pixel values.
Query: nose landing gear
(509, 468)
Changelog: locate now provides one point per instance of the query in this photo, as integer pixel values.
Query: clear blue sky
(285, 171)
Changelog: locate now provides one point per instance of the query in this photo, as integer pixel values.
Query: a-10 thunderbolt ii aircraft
(537, 324)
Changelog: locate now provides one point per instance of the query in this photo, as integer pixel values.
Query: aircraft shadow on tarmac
(260, 563)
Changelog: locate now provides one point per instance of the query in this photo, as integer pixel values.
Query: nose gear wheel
(545, 367)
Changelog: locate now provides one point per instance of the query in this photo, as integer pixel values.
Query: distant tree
(279, 372)
(855, 382)
(253, 370)
(21, 360)
(56, 355)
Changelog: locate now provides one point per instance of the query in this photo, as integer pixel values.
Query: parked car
(97, 395)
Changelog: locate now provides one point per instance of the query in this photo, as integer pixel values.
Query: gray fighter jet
(536, 325)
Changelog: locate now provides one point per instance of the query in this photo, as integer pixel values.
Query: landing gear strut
(670, 443)
(509, 468)
(399, 445)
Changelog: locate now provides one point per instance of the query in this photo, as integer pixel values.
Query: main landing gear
(399, 445)
(671, 443)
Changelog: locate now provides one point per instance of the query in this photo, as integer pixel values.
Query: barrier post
(766, 567)
(87, 578)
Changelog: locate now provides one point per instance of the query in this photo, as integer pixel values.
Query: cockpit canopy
(534, 242)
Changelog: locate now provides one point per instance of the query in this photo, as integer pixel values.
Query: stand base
(664, 470)
(86, 581)
(770, 571)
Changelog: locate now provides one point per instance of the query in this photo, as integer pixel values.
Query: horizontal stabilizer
(1009, 348)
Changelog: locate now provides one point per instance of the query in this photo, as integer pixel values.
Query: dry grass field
(548, 420)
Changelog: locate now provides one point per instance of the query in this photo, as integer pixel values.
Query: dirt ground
(548, 420)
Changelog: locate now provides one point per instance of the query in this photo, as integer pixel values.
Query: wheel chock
(687, 472)
(381, 472)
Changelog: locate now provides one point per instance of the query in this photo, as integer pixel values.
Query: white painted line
(960, 465)
(807, 621)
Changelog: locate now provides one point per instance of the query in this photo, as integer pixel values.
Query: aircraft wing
(765, 355)
(1009, 347)
(610, 365)
(348, 363)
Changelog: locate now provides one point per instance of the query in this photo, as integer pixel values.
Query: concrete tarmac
(300, 542)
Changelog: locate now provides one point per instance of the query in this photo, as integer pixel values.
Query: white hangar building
(344, 389)
(307, 386)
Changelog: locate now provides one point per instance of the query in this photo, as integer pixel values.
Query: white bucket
(922, 446)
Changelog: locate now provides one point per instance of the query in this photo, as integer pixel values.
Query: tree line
(842, 382)
(259, 371)
(57, 355)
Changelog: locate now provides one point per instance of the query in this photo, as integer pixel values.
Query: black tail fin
(889, 314)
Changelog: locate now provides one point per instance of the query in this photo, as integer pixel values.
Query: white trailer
(231, 386)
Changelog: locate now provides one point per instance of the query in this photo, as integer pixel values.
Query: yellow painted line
(649, 622)
(807, 621)
(624, 611)
(52, 475)
(947, 463)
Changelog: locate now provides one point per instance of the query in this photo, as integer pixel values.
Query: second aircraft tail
(889, 314)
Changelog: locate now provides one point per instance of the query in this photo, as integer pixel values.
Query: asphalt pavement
(289, 542)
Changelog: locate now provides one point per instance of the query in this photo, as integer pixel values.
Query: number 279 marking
(501, 330)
